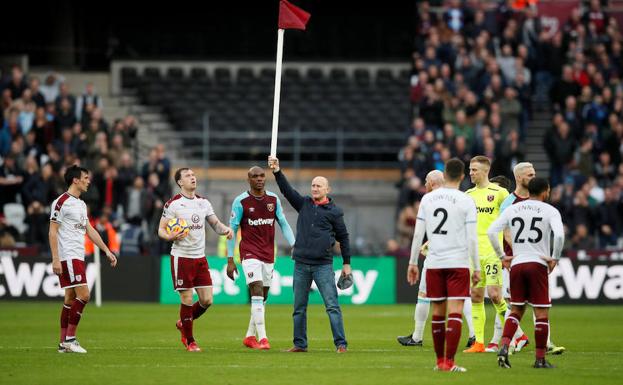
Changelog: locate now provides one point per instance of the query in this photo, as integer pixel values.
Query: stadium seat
(151, 73)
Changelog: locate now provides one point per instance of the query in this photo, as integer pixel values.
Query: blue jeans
(325, 280)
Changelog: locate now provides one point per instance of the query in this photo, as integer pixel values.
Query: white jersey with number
(447, 213)
(71, 214)
(195, 212)
(531, 223)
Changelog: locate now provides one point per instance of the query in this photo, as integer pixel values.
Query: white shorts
(506, 284)
(422, 288)
(256, 270)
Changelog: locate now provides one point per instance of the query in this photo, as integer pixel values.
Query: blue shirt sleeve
(507, 202)
(283, 223)
(234, 223)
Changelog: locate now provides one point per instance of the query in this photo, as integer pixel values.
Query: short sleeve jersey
(195, 212)
(531, 223)
(488, 201)
(71, 214)
(446, 212)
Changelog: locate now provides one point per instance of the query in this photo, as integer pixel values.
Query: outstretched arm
(295, 199)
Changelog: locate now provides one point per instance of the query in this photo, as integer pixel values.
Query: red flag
(291, 16)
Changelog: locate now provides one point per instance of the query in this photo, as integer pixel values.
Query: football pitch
(138, 344)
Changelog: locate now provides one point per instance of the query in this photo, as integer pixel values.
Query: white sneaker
(459, 369)
(74, 347)
(61, 348)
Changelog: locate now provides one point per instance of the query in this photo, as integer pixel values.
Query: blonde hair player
(488, 198)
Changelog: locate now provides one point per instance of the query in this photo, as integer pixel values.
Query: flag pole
(273, 139)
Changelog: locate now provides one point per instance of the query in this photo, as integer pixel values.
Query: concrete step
(128, 100)
(538, 156)
(140, 109)
(534, 140)
(160, 126)
(541, 115)
(112, 113)
(152, 117)
(533, 148)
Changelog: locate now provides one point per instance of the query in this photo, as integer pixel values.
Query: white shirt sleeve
(471, 228)
(494, 229)
(56, 215)
(418, 233)
(555, 223)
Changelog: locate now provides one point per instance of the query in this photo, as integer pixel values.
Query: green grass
(138, 344)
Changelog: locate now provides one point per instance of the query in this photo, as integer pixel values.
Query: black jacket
(317, 227)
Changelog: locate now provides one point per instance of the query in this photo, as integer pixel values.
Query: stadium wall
(593, 277)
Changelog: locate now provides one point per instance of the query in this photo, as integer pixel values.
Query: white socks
(257, 316)
(421, 315)
(467, 313)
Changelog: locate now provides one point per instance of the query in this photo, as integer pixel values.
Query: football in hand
(177, 224)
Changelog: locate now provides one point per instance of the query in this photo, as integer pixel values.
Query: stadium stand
(494, 81)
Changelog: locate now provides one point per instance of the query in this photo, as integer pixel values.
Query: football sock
(467, 312)
(439, 335)
(198, 310)
(480, 318)
(251, 328)
(549, 341)
(421, 315)
(510, 327)
(453, 335)
(257, 313)
(541, 329)
(500, 309)
(64, 320)
(75, 313)
(186, 315)
(497, 331)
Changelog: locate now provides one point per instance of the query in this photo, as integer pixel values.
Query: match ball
(177, 224)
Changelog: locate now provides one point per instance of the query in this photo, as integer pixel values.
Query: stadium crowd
(475, 75)
(44, 129)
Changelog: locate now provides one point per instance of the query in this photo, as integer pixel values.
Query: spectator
(11, 180)
(37, 96)
(51, 87)
(65, 116)
(17, 82)
(65, 94)
(89, 98)
(605, 171)
(609, 219)
(560, 148)
(581, 239)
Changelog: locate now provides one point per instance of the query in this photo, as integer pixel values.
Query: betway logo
(261, 221)
(23, 279)
(485, 210)
(363, 284)
(584, 283)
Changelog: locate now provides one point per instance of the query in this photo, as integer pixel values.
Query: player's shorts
(490, 271)
(506, 283)
(190, 273)
(445, 284)
(73, 273)
(256, 270)
(530, 284)
(422, 288)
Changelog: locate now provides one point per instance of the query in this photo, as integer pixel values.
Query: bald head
(257, 179)
(320, 188)
(434, 180)
(255, 170)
